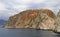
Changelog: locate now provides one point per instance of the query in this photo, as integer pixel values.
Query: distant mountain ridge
(3, 22)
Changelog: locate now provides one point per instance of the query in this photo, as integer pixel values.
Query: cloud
(20, 7)
(2, 6)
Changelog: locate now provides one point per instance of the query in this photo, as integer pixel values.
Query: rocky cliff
(57, 22)
(39, 19)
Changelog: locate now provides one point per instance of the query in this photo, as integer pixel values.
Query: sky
(11, 7)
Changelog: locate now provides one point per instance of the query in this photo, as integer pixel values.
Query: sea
(5, 32)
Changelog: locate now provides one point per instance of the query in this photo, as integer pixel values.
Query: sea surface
(26, 33)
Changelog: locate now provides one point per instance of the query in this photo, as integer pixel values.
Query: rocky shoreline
(43, 19)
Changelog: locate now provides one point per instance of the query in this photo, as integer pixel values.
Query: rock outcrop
(57, 22)
(39, 19)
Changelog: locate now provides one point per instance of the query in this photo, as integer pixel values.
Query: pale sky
(11, 7)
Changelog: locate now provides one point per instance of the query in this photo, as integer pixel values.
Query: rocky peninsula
(38, 19)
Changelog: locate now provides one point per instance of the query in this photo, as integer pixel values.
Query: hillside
(39, 18)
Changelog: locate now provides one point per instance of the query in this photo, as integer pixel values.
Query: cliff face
(40, 19)
(57, 22)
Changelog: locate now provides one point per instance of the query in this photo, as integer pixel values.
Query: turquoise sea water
(26, 33)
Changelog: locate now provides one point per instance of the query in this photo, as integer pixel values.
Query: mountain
(39, 19)
(3, 22)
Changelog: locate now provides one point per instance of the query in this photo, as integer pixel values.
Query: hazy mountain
(3, 22)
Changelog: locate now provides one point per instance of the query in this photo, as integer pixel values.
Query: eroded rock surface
(57, 22)
(39, 19)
